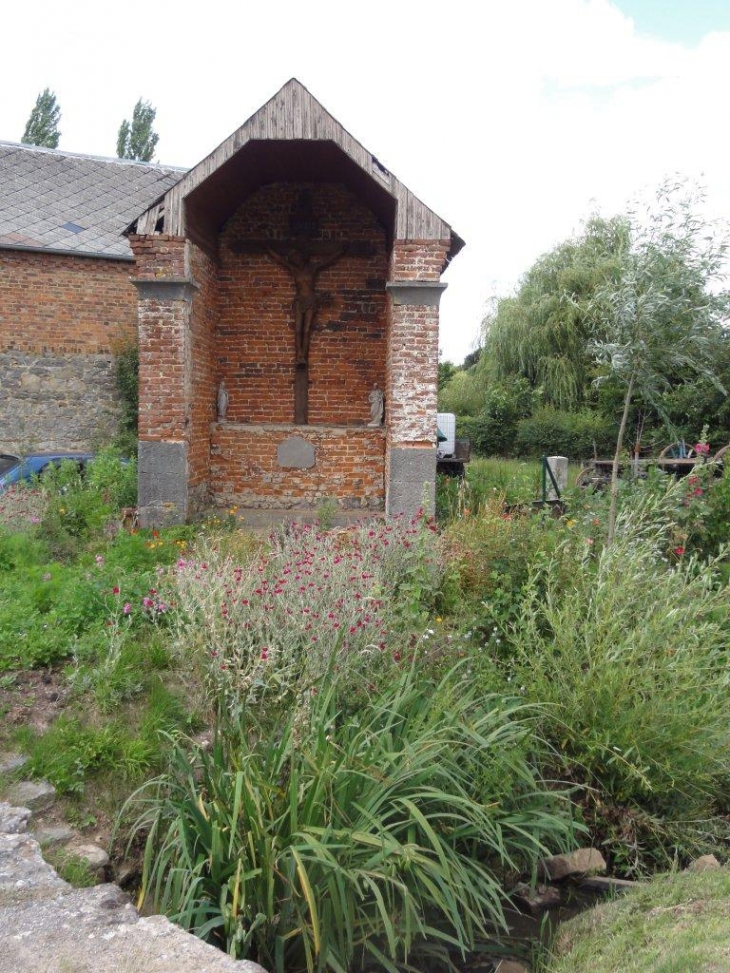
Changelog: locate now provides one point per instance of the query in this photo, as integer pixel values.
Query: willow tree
(543, 332)
(662, 314)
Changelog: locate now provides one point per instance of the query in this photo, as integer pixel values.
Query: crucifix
(304, 257)
(305, 269)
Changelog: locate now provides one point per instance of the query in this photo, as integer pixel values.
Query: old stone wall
(255, 335)
(50, 402)
(61, 318)
(348, 466)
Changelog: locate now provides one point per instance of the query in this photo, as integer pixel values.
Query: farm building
(285, 296)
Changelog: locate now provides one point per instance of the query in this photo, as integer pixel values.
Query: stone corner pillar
(165, 292)
(412, 376)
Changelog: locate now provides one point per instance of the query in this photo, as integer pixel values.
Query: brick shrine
(216, 262)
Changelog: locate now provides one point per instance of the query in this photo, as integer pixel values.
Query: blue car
(14, 469)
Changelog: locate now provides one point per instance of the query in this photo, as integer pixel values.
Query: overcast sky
(512, 119)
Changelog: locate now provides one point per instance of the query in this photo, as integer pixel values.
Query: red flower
(115, 589)
(679, 551)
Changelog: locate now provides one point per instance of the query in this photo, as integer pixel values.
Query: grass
(144, 638)
(677, 923)
(324, 841)
(493, 480)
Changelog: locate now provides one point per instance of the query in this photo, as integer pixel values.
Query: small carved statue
(376, 406)
(222, 402)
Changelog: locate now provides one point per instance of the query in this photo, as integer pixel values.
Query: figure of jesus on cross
(304, 270)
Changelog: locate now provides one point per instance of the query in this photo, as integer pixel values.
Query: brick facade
(255, 334)
(349, 467)
(53, 304)
(61, 320)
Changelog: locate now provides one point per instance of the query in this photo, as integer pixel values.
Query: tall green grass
(628, 656)
(329, 843)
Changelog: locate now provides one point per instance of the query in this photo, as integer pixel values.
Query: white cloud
(511, 118)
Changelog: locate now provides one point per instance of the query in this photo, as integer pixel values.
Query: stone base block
(163, 484)
(411, 480)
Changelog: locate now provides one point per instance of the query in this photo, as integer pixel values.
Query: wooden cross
(304, 257)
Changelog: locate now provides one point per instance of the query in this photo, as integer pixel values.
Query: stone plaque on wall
(295, 453)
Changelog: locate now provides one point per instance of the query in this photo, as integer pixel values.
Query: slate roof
(61, 201)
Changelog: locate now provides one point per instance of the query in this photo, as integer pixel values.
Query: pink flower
(702, 449)
(265, 653)
(99, 559)
(127, 608)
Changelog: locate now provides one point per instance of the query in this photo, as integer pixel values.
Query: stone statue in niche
(222, 402)
(305, 269)
(376, 399)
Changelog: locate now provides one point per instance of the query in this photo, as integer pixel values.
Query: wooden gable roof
(294, 116)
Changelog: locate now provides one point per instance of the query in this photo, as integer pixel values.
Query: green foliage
(126, 364)
(662, 314)
(578, 435)
(50, 611)
(328, 843)
(79, 506)
(70, 751)
(138, 140)
(462, 394)
(42, 126)
(628, 658)
(493, 431)
(542, 334)
(263, 629)
(71, 868)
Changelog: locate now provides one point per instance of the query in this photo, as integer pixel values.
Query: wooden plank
(293, 113)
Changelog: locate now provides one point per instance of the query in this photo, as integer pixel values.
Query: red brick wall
(159, 255)
(65, 305)
(412, 365)
(255, 337)
(203, 374)
(163, 341)
(418, 259)
(349, 467)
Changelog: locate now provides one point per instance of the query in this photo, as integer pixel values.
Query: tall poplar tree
(42, 126)
(137, 139)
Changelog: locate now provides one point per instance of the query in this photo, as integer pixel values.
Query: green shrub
(493, 431)
(127, 375)
(628, 656)
(330, 842)
(577, 435)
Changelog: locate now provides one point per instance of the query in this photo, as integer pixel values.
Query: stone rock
(602, 883)
(38, 796)
(24, 876)
(510, 966)
(94, 856)
(537, 900)
(97, 930)
(295, 453)
(705, 863)
(127, 876)
(14, 820)
(11, 761)
(53, 837)
(580, 862)
(49, 927)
